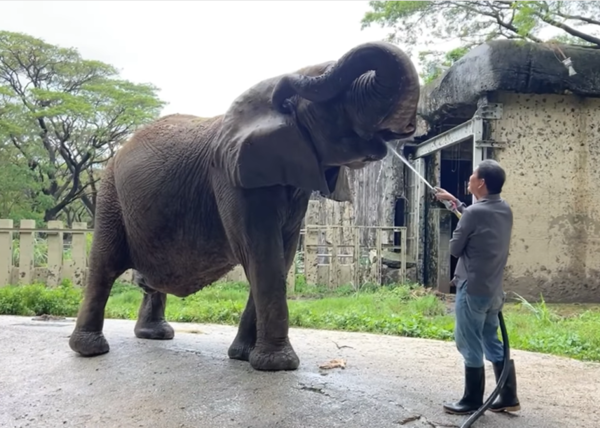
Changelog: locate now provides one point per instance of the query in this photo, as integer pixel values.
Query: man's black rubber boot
(507, 400)
(473, 396)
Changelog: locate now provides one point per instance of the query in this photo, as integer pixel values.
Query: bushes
(37, 299)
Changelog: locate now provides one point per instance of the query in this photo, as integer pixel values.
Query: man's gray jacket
(481, 242)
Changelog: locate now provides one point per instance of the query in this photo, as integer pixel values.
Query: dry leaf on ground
(338, 362)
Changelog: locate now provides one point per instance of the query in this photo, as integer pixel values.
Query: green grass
(565, 330)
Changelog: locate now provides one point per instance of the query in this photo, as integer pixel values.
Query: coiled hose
(501, 382)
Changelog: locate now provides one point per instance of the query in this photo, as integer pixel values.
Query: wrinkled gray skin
(186, 199)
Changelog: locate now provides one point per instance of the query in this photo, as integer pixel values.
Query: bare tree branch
(572, 31)
(579, 18)
(507, 25)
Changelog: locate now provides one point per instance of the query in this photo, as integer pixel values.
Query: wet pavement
(189, 382)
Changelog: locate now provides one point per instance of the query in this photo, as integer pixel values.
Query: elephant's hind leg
(246, 336)
(87, 339)
(109, 258)
(151, 322)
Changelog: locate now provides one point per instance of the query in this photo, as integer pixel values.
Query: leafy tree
(433, 66)
(474, 22)
(65, 116)
(18, 186)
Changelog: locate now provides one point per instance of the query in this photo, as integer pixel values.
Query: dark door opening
(399, 221)
(455, 169)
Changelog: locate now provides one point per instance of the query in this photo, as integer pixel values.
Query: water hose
(501, 382)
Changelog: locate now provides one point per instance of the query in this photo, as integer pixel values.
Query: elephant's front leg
(263, 236)
(272, 350)
(245, 340)
(151, 322)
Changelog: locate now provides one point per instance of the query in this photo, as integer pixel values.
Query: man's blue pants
(476, 328)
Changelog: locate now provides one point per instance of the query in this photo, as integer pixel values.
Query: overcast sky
(201, 54)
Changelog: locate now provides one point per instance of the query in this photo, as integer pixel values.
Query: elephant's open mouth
(357, 165)
(388, 135)
(378, 147)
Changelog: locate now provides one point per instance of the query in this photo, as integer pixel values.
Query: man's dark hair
(493, 174)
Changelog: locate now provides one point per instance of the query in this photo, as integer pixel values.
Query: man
(480, 242)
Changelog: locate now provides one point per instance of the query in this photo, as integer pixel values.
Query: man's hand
(443, 195)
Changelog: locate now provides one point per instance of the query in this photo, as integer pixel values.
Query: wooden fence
(327, 255)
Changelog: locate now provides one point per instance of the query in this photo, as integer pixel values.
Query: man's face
(475, 184)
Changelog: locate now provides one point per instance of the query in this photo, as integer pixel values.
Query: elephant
(186, 199)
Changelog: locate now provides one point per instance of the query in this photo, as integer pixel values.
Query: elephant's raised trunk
(380, 82)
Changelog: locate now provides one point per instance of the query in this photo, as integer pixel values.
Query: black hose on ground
(469, 422)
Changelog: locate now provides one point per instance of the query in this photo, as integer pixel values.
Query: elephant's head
(303, 129)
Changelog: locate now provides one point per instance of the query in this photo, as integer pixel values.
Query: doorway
(456, 166)
(399, 221)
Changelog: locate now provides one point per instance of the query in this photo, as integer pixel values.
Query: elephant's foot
(157, 330)
(274, 359)
(240, 350)
(88, 343)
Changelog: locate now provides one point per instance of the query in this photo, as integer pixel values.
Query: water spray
(450, 206)
(504, 376)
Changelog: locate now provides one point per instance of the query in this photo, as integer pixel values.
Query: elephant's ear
(259, 146)
(339, 184)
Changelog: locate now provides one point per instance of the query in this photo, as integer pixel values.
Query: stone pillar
(26, 251)
(357, 268)
(311, 239)
(291, 280)
(55, 254)
(127, 276)
(333, 234)
(345, 246)
(79, 254)
(6, 250)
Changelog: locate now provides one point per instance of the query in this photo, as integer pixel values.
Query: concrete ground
(190, 382)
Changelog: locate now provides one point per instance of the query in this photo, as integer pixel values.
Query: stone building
(519, 104)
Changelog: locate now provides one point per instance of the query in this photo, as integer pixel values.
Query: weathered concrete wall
(552, 161)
